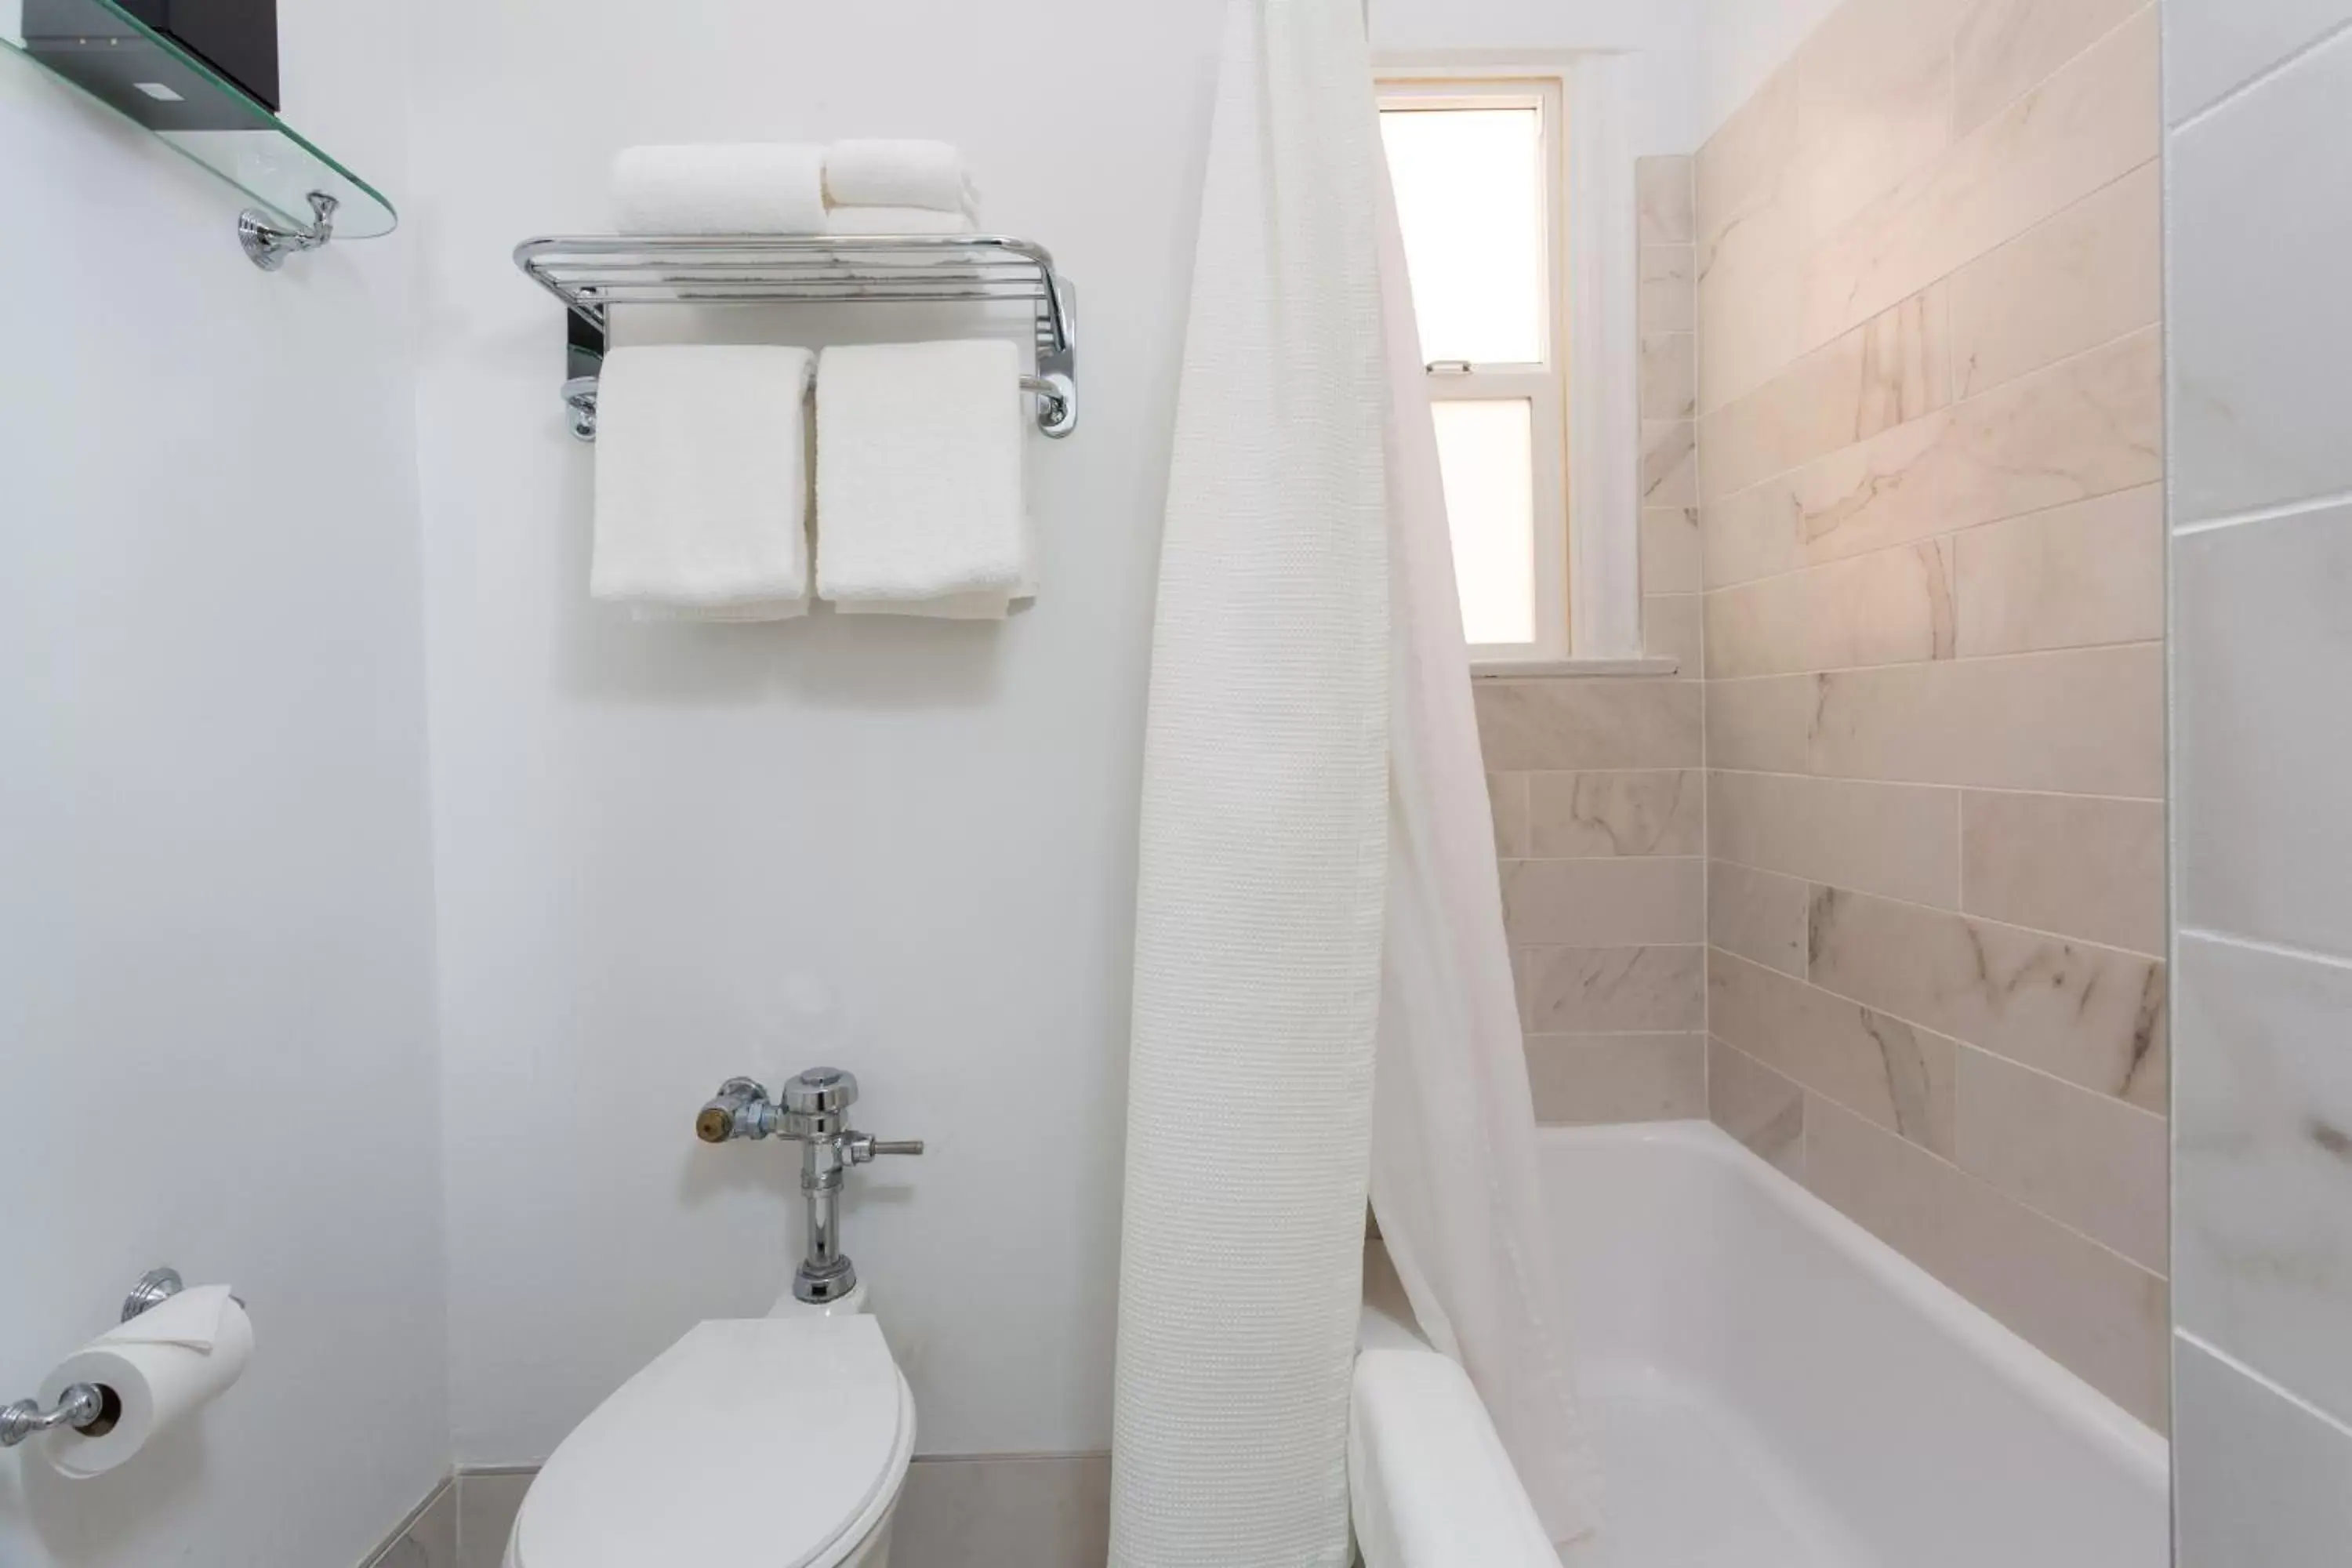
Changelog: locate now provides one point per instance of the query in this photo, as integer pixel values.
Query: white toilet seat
(764, 1442)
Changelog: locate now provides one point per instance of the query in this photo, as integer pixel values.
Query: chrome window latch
(813, 1111)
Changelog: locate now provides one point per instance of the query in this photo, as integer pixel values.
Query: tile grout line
(2272, 949)
(2260, 1379)
(2267, 74)
(2284, 511)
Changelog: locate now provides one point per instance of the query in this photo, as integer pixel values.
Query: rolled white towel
(727, 187)
(898, 174)
(896, 220)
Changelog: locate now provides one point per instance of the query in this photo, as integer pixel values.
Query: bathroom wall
(2261, 213)
(1598, 796)
(215, 947)
(674, 852)
(1930, 461)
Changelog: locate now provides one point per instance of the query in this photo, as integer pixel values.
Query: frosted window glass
(1469, 192)
(1486, 452)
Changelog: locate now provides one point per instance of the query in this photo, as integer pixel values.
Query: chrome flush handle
(813, 1111)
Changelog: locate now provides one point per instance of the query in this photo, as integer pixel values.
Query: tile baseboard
(988, 1511)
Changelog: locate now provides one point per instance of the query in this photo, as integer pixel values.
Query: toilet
(761, 1443)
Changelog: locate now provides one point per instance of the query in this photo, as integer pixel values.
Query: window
(1478, 170)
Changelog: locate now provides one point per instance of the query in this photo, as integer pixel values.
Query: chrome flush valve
(813, 1111)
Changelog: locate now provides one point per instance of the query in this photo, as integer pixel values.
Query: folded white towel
(885, 174)
(702, 481)
(896, 220)
(919, 509)
(727, 188)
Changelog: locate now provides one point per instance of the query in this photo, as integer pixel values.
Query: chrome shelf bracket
(267, 246)
(591, 275)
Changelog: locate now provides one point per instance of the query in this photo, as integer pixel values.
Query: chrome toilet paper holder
(88, 1408)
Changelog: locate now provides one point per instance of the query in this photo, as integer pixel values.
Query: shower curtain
(1318, 888)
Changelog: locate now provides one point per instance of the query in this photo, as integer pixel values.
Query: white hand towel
(886, 173)
(919, 510)
(897, 220)
(728, 187)
(702, 482)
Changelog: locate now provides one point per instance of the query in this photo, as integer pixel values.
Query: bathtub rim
(2045, 1384)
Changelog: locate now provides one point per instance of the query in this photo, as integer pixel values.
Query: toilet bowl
(763, 1443)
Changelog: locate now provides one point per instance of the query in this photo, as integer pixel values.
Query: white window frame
(1588, 479)
(1542, 385)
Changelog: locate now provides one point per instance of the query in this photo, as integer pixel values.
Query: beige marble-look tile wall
(1601, 827)
(1600, 800)
(1928, 469)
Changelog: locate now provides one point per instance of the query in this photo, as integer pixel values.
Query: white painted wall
(669, 854)
(1744, 42)
(216, 992)
(1664, 37)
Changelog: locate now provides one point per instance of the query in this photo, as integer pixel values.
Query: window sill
(1506, 669)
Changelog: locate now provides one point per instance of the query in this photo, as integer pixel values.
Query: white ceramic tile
(2261, 323)
(2264, 650)
(2075, 576)
(1751, 246)
(2091, 122)
(1669, 463)
(1894, 369)
(2006, 46)
(1874, 103)
(1765, 725)
(1611, 990)
(2090, 275)
(1879, 1068)
(2087, 426)
(1899, 840)
(1757, 915)
(2089, 1015)
(2086, 1160)
(2077, 865)
(1669, 375)
(1663, 196)
(2214, 45)
(1507, 798)
(1639, 901)
(2099, 1314)
(1570, 725)
(1756, 1106)
(1028, 1511)
(1890, 607)
(1574, 816)
(1674, 626)
(1671, 560)
(2089, 721)
(2262, 1248)
(1584, 1079)
(2260, 1475)
(1669, 301)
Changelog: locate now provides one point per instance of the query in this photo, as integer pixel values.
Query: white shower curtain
(1313, 803)
(1264, 836)
(1454, 1182)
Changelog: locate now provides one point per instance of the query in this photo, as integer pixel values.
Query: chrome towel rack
(593, 274)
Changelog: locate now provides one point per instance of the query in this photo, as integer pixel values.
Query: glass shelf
(147, 78)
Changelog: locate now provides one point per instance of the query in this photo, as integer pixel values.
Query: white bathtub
(1770, 1386)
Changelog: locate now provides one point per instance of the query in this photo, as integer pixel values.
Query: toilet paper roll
(162, 1366)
